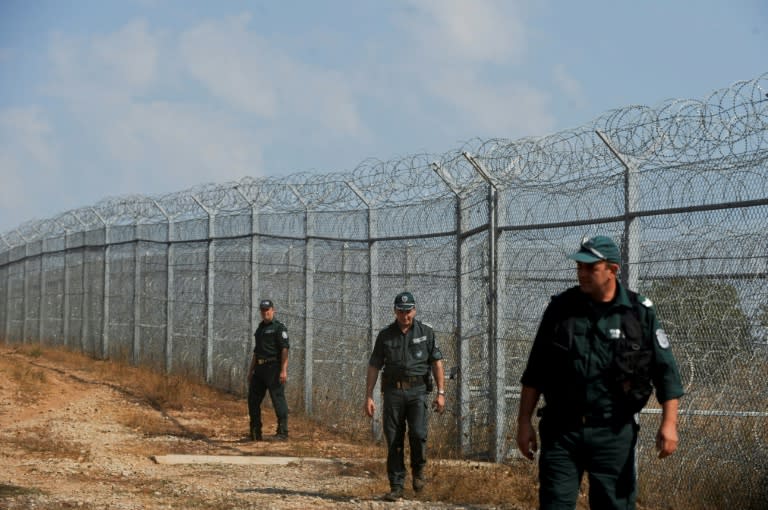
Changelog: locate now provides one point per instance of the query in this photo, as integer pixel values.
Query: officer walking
(407, 352)
(598, 353)
(268, 371)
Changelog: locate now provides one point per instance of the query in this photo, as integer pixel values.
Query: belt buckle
(583, 420)
(399, 385)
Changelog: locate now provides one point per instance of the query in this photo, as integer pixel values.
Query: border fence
(479, 235)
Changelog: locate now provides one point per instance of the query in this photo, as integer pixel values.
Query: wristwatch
(441, 392)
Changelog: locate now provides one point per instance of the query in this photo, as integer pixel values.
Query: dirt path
(77, 435)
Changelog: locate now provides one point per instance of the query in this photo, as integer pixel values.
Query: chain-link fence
(480, 236)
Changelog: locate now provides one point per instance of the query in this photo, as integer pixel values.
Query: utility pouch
(428, 381)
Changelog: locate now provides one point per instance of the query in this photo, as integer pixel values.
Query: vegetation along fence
(480, 236)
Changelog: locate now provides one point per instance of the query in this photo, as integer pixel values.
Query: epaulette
(644, 301)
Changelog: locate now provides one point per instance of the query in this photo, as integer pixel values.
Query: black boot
(419, 481)
(282, 430)
(255, 434)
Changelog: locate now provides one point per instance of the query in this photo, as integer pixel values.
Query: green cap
(595, 249)
(404, 301)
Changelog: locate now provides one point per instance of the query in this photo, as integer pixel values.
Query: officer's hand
(283, 377)
(370, 407)
(666, 440)
(439, 403)
(526, 439)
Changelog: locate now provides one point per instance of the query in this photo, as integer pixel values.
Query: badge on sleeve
(285, 335)
(662, 339)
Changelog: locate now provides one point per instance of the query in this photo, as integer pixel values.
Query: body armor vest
(628, 377)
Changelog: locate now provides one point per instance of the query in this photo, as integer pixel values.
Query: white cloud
(28, 160)
(110, 86)
(129, 54)
(233, 63)
(182, 145)
(467, 55)
(478, 31)
(27, 131)
(570, 86)
(497, 109)
(243, 70)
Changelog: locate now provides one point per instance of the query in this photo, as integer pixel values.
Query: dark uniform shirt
(573, 368)
(271, 339)
(406, 355)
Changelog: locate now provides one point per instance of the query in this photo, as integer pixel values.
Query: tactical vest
(628, 376)
(631, 368)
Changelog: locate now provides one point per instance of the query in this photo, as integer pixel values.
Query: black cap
(404, 301)
(266, 304)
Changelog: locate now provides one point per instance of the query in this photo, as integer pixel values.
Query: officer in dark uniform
(597, 355)
(407, 351)
(269, 371)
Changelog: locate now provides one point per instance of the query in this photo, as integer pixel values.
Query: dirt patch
(79, 433)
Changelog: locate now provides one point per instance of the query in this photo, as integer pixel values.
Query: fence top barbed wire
(719, 131)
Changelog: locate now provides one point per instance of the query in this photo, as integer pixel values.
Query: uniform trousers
(267, 378)
(405, 407)
(605, 451)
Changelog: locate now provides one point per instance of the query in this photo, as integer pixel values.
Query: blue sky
(104, 98)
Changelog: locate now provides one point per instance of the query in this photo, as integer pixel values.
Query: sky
(101, 99)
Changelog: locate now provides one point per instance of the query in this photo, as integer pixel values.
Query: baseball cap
(265, 304)
(404, 301)
(595, 249)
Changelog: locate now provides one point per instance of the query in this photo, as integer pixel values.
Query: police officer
(407, 352)
(269, 371)
(598, 351)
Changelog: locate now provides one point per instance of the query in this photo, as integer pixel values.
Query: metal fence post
(254, 296)
(630, 246)
(373, 295)
(7, 292)
(169, 288)
(105, 287)
(496, 350)
(25, 289)
(462, 400)
(210, 289)
(309, 291)
(42, 307)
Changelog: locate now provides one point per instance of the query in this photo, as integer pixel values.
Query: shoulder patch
(285, 335)
(662, 339)
(646, 302)
(427, 324)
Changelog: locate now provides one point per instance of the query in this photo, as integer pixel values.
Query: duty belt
(584, 420)
(405, 383)
(264, 361)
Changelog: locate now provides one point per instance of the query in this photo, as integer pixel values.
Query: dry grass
(36, 441)
(181, 407)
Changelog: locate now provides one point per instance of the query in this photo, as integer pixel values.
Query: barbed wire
(171, 279)
(693, 141)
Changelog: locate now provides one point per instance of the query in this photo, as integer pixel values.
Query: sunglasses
(586, 244)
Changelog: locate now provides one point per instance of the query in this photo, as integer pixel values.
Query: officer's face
(597, 279)
(267, 314)
(404, 318)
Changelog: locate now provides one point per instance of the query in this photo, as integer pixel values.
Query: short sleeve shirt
(409, 354)
(271, 339)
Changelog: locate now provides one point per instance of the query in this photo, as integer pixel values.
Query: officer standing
(407, 352)
(269, 371)
(598, 353)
